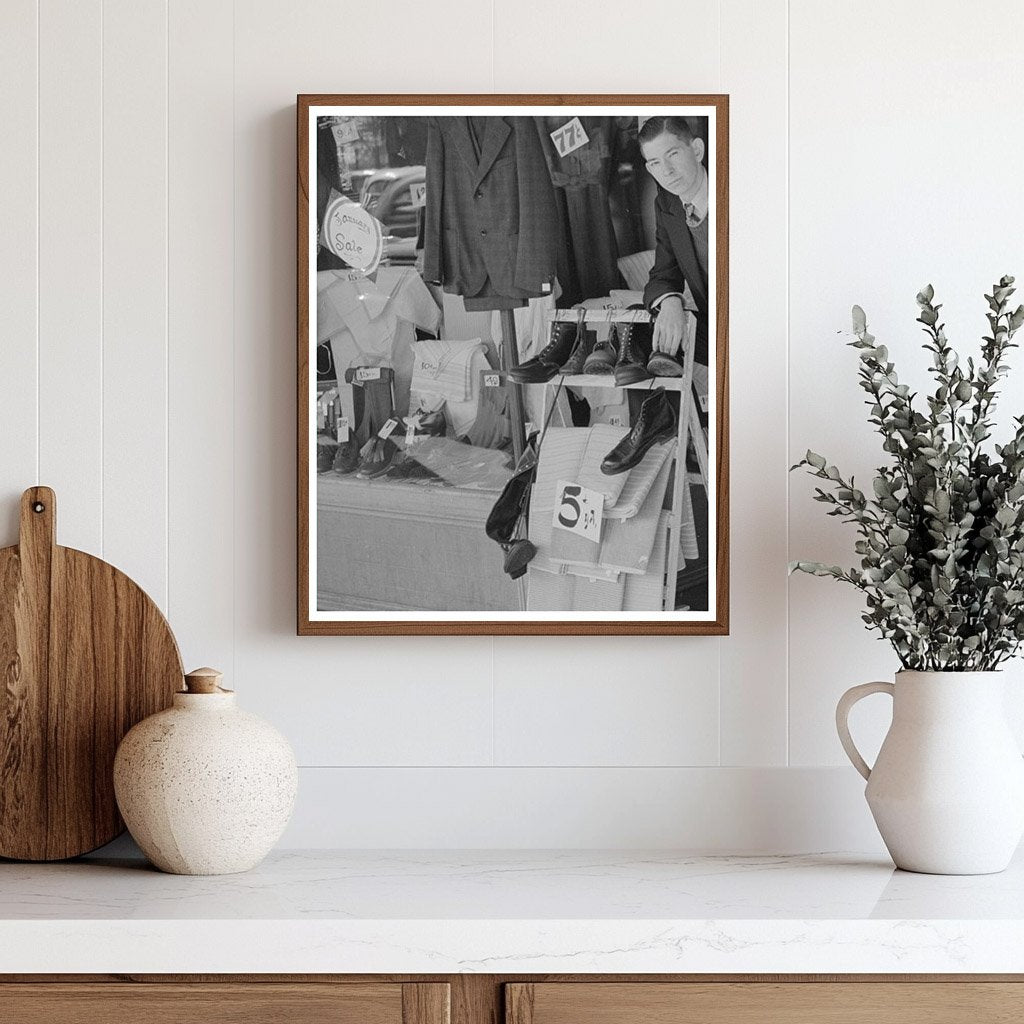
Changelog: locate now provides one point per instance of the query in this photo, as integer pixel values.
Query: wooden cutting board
(84, 655)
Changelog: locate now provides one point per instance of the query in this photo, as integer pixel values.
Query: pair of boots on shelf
(627, 353)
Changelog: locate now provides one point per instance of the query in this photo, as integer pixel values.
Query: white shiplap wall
(147, 369)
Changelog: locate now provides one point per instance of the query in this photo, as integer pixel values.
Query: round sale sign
(353, 234)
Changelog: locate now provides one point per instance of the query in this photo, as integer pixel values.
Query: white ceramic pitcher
(947, 789)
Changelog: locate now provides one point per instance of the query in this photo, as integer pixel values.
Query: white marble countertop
(510, 912)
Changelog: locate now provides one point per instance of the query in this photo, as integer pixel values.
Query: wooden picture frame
(372, 529)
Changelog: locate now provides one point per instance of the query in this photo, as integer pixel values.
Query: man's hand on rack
(669, 325)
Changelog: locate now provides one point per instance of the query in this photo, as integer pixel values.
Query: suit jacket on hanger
(676, 264)
(491, 222)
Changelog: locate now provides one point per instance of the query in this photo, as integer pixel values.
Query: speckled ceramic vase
(205, 789)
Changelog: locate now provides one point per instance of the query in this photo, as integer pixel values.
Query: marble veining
(495, 911)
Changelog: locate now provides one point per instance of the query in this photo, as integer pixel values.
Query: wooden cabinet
(224, 1003)
(793, 1002)
(512, 999)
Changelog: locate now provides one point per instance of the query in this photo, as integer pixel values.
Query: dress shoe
(518, 556)
(604, 355)
(379, 458)
(578, 357)
(634, 351)
(548, 362)
(661, 364)
(325, 450)
(346, 458)
(655, 422)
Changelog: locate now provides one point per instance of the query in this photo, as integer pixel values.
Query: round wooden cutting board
(85, 654)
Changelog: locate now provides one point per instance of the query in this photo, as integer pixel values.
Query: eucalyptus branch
(942, 540)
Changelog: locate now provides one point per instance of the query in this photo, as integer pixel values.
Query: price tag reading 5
(570, 137)
(578, 510)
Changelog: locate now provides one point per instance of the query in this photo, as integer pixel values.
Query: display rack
(688, 419)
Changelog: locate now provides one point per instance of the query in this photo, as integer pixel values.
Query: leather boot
(661, 364)
(548, 362)
(655, 422)
(634, 351)
(604, 355)
(581, 350)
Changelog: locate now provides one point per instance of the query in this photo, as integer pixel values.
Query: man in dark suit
(679, 278)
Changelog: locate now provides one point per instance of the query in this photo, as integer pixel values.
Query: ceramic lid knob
(203, 680)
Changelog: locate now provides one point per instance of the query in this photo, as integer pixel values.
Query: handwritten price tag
(578, 510)
(388, 429)
(492, 380)
(346, 131)
(368, 373)
(418, 194)
(411, 425)
(570, 137)
(342, 429)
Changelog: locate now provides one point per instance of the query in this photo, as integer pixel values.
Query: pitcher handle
(846, 702)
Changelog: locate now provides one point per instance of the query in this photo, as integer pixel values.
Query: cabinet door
(228, 1003)
(766, 1003)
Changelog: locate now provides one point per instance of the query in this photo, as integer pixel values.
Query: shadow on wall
(266, 373)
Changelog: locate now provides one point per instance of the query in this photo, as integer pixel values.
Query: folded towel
(445, 368)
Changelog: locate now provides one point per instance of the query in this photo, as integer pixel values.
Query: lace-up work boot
(578, 358)
(655, 422)
(634, 351)
(548, 362)
(604, 355)
(661, 364)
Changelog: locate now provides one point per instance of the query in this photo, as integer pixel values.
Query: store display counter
(393, 546)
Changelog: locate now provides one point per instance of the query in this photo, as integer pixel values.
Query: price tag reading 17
(578, 510)
(570, 137)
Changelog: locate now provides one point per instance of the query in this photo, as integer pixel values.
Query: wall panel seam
(38, 198)
(789, 442)
(103, 278)
(167, 309)
(234, 328)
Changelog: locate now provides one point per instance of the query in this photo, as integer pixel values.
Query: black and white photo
(512, 350)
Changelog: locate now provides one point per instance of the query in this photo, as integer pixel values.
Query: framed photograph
(512, 364)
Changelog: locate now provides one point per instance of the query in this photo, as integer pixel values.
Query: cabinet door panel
(211, 1003)
(766, 1003)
